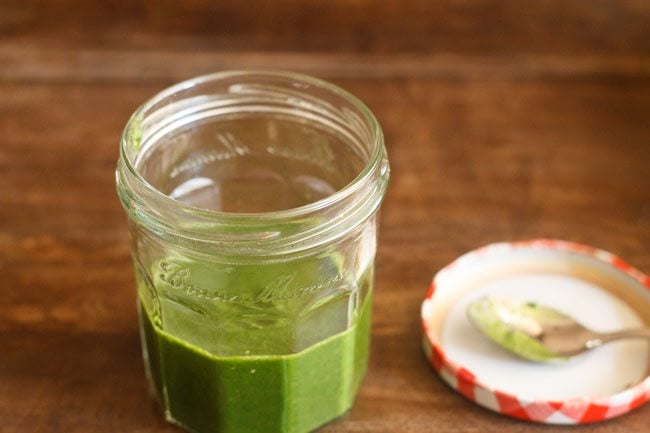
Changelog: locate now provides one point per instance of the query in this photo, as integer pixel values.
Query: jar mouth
(144, 201)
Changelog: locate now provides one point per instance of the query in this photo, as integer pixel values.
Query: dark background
(503, 119)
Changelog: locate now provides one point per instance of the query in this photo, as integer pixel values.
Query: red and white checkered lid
(455, 282)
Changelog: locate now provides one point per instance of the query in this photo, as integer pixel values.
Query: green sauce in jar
(290, 393)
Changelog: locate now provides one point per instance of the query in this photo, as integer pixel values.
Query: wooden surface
(503, 119)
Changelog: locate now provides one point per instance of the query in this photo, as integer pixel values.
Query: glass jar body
(253, 321)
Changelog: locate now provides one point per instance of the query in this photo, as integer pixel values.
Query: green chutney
(291, 393)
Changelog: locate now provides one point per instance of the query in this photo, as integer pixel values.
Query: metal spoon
(536, 332)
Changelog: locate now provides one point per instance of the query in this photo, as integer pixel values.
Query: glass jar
(253, 266)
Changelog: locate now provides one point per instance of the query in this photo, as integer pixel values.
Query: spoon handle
(603, 338)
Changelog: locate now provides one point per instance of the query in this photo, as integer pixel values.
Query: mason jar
(252, 202)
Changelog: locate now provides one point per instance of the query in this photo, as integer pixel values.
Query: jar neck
(254, 234)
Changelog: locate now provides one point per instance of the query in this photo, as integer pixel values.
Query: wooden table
(503, 119)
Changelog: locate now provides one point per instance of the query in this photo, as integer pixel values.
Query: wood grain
(503, 120)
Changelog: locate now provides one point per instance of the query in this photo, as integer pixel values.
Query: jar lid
(595, 287)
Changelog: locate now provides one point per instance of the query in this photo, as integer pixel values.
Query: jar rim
(284, 231)
(374, 160)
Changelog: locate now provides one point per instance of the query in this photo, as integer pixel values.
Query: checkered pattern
(574, 411)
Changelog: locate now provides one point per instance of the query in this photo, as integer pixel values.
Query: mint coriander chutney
(252, 201)
(247, 394)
